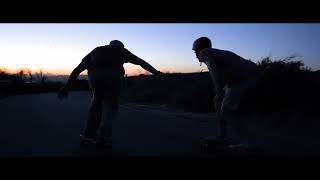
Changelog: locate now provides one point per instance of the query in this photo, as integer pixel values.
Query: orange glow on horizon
(130, 70)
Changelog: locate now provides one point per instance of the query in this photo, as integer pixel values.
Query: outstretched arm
(138, 61)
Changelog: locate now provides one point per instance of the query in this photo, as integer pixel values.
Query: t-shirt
(233, 67)
(107, 57)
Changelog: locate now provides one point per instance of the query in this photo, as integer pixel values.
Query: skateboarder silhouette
(106, 74)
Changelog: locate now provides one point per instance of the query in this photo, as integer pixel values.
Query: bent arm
(214, 71)
(74, 75)
(76, 71)
(217, 78)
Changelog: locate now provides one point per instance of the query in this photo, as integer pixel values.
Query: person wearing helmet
(234, 78)
(104, 65)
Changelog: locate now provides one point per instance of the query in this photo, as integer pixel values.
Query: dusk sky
(58, 48)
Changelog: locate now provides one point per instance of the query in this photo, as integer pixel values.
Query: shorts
(237, 94)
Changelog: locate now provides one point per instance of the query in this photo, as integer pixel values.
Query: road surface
(43, 125)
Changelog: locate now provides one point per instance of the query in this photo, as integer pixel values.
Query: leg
(222, 127)
(236, 127)
(110, 110)
(95, 113)
(105, 136)
(106, 125)
(233, 123)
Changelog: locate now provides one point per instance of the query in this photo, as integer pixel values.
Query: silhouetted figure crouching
(234, 78)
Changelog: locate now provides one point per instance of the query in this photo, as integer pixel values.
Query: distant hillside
(286, 86)
(13, 84)
(190, 91)
(64, 78)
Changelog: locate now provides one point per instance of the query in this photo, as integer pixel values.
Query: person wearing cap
(104, 65)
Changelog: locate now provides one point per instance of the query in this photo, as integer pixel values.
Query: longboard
(219, 148)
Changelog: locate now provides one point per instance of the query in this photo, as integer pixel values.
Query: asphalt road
(43, 125)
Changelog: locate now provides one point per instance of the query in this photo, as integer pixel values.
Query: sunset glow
(58, 48)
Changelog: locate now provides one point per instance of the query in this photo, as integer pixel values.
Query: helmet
(201, 43)
(116, 43)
